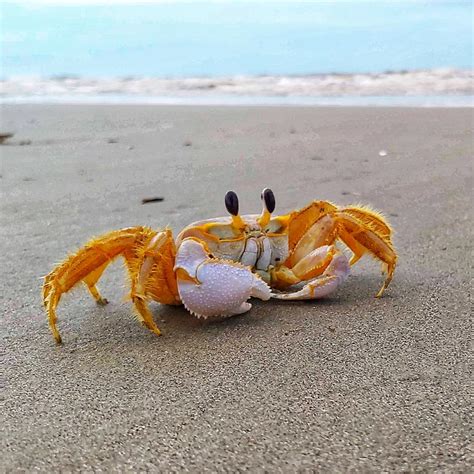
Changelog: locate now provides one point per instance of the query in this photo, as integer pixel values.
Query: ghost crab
(216, 265)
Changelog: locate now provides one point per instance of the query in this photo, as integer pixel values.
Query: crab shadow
(115, 323)
(176, 318)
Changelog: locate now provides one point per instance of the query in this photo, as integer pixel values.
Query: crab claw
(334, 276)
(211, 286)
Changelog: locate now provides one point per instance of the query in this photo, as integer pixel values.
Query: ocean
(220, 50)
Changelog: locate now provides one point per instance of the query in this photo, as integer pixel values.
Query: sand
(351, 383)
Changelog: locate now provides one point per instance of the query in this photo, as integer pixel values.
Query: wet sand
(349, 383)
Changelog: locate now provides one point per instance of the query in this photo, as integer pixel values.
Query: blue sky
(215, 38)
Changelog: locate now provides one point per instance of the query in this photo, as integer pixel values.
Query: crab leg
(152, 276)
(333, 276)
(137, 245)
(87, 265)
(362, 229)
(90, 282)
(211, 286)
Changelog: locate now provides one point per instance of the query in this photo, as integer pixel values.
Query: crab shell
(251, 245)
(219, 266)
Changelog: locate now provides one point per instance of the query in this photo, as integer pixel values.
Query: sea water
(222, 49)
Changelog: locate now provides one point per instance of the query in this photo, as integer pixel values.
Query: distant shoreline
(437, 86)
(448, 101)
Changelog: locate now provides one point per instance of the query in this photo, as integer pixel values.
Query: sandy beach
(351, 383)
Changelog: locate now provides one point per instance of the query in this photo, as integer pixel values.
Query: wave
(437, 82)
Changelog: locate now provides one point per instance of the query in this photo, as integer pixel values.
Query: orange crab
(216, 265)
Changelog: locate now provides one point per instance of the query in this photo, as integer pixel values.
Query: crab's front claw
(210, 286)
(334, 276)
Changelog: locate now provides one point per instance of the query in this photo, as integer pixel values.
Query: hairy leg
(152, 277)
(87, 265)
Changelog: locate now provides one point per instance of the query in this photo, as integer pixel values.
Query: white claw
(216, 287)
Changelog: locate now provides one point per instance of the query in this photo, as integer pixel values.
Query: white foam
(424, 83)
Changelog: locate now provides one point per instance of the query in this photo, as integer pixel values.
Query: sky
(221, 38)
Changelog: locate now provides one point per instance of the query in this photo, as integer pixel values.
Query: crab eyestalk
(268, 199)
(232, 206)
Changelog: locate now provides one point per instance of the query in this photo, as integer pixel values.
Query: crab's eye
(269, 199)
(232, 203)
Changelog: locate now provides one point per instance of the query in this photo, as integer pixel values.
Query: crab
(214, 266)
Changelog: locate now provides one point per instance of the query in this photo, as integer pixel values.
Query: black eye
(232, 203)
(269, 198)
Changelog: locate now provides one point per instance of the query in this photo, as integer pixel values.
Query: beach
(349, 383)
